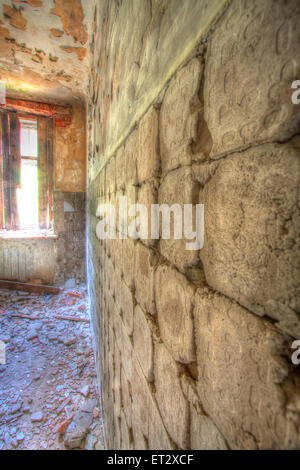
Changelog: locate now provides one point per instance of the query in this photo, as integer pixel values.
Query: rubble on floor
(48, 392)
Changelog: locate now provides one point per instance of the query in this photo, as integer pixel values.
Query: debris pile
(48, 391)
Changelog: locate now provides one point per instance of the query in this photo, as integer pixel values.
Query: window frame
(45, 166)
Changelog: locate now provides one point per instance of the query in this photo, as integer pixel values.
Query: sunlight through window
(27, 194)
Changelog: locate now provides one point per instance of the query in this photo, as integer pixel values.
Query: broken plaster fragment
(80, 51)
(57, 33)
(71, 15)
(15, 17)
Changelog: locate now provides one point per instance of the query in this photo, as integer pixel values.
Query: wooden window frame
(10, 165)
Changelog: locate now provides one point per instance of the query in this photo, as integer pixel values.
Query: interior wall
(193, 348)
(60, 257)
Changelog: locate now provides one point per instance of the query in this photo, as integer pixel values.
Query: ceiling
(44, 48)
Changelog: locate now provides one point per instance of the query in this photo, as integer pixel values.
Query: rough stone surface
(147, 195)
(171, 402)
(204, 434)
(243, 380)
(134, 71)
(254, 46)
(46, 46)
(127, 308)
(250, 251)
(169, 123)
(144, 277)
(126, 398)
(143, 343)
(178, 124)
(174, 301)
(78, 429)
(148, 163)
(178, 188)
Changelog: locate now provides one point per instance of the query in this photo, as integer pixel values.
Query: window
(27, 192)
(26, 172)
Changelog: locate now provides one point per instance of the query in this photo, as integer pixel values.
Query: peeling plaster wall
(192, 103)
(50, 41)
(70, 153)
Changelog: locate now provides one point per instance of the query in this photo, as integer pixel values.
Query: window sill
(26, 234)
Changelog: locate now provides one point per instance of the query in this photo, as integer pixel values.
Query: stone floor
(48, 393)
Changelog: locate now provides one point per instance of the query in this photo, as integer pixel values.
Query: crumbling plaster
(45, 44)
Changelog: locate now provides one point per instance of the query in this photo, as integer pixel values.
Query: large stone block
(127, 308)
(178, 122)
(126, 443)
(145, 261)
(148, 162)
(116, 366)
(172, 405)
(252, 60)
(124, 345)
(146, 46)
(147, 195)
(130, 157)
(242, 375)
(120, 165)
(251, 221)
(111, 175)
(204, 433)
(127, 262)
(140, 403)
(116, 434)
(174, 297)
(147, 426)
(126, 397)
(140, 443)
(157, 435)
(116, 249)
(178, 187)
(142, 342)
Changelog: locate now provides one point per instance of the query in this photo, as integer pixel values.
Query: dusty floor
(48, 383)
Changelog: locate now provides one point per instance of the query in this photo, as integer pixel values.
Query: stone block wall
(194, 347)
